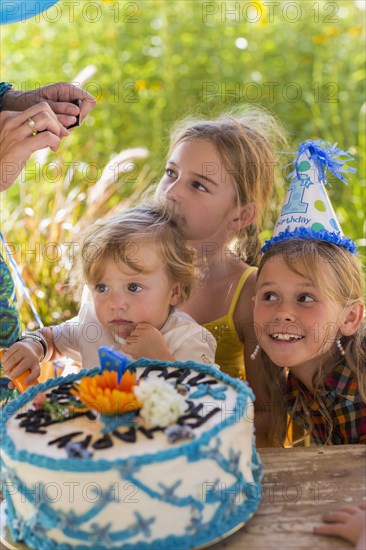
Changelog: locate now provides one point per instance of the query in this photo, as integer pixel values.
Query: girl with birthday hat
(308, 310)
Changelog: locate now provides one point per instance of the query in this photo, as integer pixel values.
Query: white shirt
(80, 337)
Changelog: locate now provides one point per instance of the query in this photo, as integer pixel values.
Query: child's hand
(348, 522)
(146, 341)
(22, 356)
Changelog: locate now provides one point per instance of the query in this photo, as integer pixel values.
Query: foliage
(150, 63)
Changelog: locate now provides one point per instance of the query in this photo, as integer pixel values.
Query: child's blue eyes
(134, 287)
(101, 288)
(131, 287)
(196, 184)
(199, 186)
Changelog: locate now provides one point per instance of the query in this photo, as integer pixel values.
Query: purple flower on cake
(75, 449)
(162, 405)
(176, 433)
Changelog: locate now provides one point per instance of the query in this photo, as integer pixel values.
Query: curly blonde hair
(118, 237)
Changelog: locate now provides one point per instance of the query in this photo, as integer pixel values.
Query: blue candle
(122, 366)
(110, 359)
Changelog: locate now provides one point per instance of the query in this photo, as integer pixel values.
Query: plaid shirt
(344, 408)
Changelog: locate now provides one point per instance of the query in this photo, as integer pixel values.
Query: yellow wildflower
(332, 31)
(355, 31)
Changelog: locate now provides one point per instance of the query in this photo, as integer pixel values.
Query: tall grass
(58, 199)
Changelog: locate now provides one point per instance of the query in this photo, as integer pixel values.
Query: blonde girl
(308, 311)
(219, 176)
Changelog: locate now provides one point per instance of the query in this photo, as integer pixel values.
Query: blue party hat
(307, 212)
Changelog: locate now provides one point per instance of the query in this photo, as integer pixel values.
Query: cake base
(198, 480)
(7, 541)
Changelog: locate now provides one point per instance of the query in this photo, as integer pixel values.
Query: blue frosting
(206, 389)
(307, 233)
(101, 465)
(228, 513)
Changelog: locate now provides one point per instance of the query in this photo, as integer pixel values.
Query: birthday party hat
(307, 212)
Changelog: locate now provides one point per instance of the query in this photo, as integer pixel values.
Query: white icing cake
(75, 479)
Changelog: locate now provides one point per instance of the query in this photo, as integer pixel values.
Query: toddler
(138, 269)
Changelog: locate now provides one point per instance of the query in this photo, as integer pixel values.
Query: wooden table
(299, 485)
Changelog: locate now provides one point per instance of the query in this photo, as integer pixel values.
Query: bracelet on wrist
(4, 87)
(36, 337)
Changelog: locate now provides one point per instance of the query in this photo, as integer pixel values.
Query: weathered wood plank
(299, 485)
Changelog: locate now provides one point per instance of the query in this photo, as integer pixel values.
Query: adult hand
(58, 96)
(17, 141)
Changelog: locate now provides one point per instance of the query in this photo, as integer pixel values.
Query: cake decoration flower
(40, 400)
(75, 449)
(176, 432)
(104, 393)
(162, 405)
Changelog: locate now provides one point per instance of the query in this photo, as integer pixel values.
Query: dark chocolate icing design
(62, 406)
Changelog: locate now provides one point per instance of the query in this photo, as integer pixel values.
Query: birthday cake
(161, 457)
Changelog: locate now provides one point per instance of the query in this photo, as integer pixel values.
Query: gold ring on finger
(32, 125)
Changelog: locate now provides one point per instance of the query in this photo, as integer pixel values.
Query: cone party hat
(307, 212)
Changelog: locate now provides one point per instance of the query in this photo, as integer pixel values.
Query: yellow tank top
(230, 350)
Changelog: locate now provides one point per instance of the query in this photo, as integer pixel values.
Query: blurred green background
(150, 63)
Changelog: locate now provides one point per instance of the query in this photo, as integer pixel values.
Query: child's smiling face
(203, 191)
(296, 322)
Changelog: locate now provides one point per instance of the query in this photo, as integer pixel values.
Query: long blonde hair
(343, 283)
(245, 139)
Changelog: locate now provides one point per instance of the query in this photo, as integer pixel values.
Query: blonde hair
(118, 237)
(244, 138)
(343, 283)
